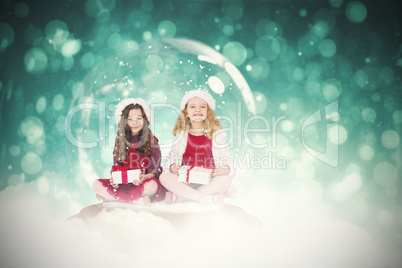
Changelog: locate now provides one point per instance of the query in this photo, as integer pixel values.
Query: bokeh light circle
(6, 36)
(235, 52)
(331, 89)
(324, 21)
(70, 48)
(303, 13)
(385, 173)
(369, 115)
(233, 9)
(57, 33)
(267, 48)
(267, 27)
(35, 61)
(99, 8)
(338, 134)
(14, 150)
(336, 3)
(260, 101)
(58, 102)
(356, 12)
(21, 10)
(32, 128)
(166, 28)
(258, 68)
(41, 105)
(390, 139)
(327, 48)
(31, 163)
(313, 70)
(397, 116)
(366, 152)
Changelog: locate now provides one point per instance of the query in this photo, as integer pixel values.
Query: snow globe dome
(160, 72)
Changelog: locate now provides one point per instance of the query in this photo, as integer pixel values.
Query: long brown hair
(124, 134)
(211, 123)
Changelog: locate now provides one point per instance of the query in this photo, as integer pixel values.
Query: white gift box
(197, 175)
(126, 176)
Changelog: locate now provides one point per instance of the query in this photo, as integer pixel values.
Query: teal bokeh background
(296, 57)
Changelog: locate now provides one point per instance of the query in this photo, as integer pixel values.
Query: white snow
(34, 233)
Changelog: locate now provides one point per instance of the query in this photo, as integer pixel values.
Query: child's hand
(113, 184)
(222, 171)
(137, 182)
(143, 177)
(174, 169)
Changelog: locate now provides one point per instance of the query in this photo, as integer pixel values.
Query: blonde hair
(124, 133)
(211, 123)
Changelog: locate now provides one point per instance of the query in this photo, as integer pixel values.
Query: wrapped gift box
(126, 176)
(199, 175)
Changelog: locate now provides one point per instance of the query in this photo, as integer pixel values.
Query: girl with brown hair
(135, 148)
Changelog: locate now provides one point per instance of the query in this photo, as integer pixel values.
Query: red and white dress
(147, 163)
(198, 152)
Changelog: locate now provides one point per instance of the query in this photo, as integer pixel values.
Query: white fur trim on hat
(126, 102)
(200, 94)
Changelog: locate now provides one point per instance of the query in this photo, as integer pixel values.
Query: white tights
(203, 194)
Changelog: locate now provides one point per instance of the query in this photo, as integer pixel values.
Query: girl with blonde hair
(199, 141)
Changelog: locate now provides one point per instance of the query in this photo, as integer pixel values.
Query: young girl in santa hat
(135, 148)
(200, 141)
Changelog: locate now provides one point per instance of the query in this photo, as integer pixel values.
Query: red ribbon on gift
(123, 170)
(124, 178)
(191, 167)
(188, 173)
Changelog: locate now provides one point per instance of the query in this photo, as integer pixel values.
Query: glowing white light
(216, 84)
(58, 102)
(283, 106)
(70, 48)
(287, 125)
(366, 152)
(41, 105)
(32, 128)
(337, 134)
(207, 59)
(31, 163)
(35, 61)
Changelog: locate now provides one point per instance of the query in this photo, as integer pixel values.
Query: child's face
(135, 121)
(197, 109)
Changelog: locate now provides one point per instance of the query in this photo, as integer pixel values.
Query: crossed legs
(205, 194)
